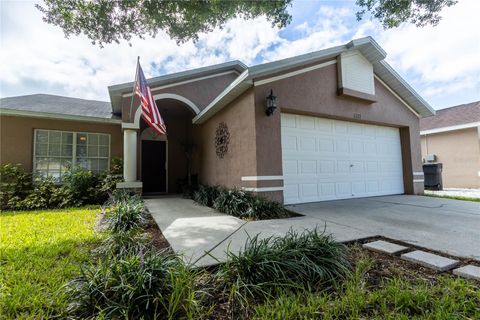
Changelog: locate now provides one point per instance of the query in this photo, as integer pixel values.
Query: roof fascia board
(367, 46)
(290, 63)
(153, 88)
(397, 96)
(451, 128)
(407, 86)
(294, 73)
(222, 99)
(194, 73)
(55, 116)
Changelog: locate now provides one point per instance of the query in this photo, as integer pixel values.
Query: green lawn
(39, 252)
(452, 197)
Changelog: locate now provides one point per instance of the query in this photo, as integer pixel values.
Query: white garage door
(326, 159)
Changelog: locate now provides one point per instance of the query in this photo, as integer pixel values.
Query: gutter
(56, 116)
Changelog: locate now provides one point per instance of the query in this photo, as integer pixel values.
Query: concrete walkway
(203, 235)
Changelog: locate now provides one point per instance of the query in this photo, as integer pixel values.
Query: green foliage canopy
(105, 21)
(391, 13)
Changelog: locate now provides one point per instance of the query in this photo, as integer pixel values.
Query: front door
(154, 169)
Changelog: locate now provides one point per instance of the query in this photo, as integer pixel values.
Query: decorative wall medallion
(222, 139)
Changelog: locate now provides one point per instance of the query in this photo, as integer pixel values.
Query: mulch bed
(158, 240)
(388, 266)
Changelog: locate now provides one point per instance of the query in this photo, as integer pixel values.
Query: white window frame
(74, 147)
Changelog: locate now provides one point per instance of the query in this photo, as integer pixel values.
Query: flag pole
(134, 86)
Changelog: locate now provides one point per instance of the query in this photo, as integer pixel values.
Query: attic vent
(355, 76)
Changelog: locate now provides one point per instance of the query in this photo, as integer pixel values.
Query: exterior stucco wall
(240, 160)
(315, 93)
(201, 93)
(459, 151)
(16, 136)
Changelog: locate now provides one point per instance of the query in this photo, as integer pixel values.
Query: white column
(129, 155)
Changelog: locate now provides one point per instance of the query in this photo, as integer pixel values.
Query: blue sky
(442, 63)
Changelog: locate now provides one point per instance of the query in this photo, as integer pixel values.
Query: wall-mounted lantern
(271, 103)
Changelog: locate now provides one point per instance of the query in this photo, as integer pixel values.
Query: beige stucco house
(452, 137)
(338, 123)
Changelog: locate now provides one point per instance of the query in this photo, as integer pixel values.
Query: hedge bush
(297, 261)
(240, 203)
(124, 212)
(15, 185)
(145, 285)
(20, 190)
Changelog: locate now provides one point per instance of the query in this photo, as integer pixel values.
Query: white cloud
(441, 62)
(36, 52)
(445, 58)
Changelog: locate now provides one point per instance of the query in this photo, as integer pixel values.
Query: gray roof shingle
(453, 116)
(47, 103)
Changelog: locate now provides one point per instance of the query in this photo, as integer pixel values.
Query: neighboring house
(452, 137)
(346, 126)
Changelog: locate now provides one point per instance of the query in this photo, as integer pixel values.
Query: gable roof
(53, 106)
(368, 47)
(116, 91)
(454, 116)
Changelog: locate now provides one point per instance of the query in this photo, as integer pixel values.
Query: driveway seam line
(206, 252)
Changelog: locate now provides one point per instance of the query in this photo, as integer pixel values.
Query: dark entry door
(154, 173)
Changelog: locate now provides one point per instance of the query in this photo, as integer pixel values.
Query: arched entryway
(164, 160)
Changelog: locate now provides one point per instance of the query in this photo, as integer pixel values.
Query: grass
(452, 197)
(363, 296)
(299, 276)
(40, 251)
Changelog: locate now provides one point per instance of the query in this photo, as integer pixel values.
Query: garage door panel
(289, 142)
(324, 125)
(306, 123)
(326, 159)
(307, 144)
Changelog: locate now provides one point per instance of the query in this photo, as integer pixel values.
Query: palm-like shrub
(240, 203)
(150, 285)
(297, 261)
(234, 202)
(124, 212)
(124, 243)
(206, 195)
(261, 208)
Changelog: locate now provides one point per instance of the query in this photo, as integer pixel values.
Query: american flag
(150, 112)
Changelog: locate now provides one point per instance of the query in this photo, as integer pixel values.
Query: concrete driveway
(203, 236)
(449, 226)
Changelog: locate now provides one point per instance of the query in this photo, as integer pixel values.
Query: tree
(391, 13)
(107, 21)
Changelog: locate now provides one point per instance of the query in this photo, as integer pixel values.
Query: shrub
(123, 243)
(234, 202)
(262, 208)
(15, 184)
(108, 180)
(81, 184)
(125, 212)
(240, 203)
(135, 286)
(297, 261)
(45, 195)
(206, 195)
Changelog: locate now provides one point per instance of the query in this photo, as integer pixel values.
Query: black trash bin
(433, 176)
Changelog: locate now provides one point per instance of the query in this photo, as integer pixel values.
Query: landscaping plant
(123, 243)
(396, 298)
(206, 195)
(303, 261)
(15, 184)
(124, 212)
(138, 285)
(240, 203)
